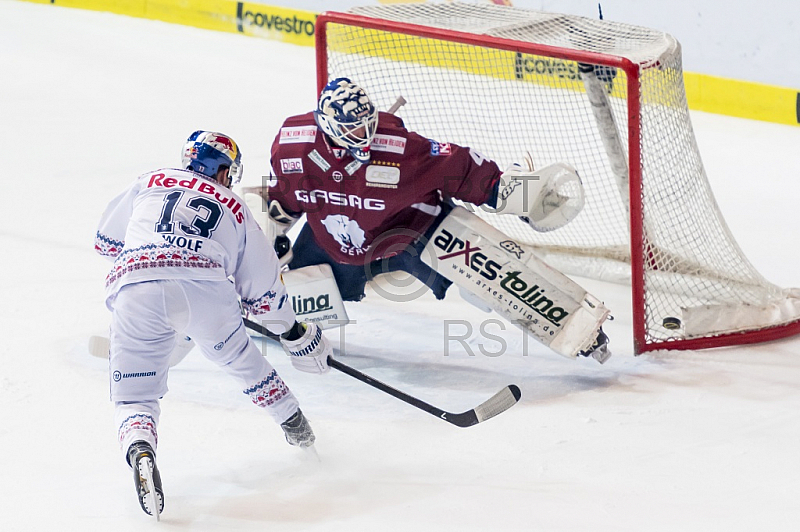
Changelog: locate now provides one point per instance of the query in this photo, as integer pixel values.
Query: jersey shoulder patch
(297, 134)
(298, 129)
(440, 148)
(388, 143)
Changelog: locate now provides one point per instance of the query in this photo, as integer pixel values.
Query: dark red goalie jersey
(363, 212)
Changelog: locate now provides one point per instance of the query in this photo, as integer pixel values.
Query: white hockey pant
(145, 317)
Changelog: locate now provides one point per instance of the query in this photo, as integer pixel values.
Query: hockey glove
(307, 347)
(548, 198)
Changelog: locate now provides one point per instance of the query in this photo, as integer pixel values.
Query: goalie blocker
(515, 283)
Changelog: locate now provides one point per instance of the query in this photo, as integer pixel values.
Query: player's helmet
(205, 152)
(346, 114)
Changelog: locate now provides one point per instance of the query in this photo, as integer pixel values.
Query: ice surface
(668, 441)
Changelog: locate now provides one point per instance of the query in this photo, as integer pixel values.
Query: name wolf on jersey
(199, 185)
(183, 242)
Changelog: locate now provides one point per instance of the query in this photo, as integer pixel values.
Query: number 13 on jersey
(209, 213)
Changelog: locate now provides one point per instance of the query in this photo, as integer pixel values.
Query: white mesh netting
(504, 103)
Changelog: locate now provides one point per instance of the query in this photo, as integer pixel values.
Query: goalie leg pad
(315, 296)
(515, 283)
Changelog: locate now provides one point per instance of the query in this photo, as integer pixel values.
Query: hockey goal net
(607, 98)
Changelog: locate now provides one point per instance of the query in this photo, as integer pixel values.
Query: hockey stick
(497, 404)
(400, 102)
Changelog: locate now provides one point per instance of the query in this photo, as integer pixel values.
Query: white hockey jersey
(177, 224)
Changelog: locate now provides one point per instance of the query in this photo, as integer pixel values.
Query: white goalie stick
(400, 102)
(497, 404)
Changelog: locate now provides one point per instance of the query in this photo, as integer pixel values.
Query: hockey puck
(671, 323)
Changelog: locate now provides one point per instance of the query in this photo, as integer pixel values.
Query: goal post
(607, 98)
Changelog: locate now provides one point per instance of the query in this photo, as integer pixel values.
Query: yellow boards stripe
(249, 18)
(288, 25)
(744, 99)
(713, 94)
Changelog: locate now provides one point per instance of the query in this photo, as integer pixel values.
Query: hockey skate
(298, 431)
(599, 349)
(146, 478)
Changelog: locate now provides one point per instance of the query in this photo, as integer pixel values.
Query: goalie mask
(205, 152)
(346, 114)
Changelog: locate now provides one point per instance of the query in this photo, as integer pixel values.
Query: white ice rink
(673, 441)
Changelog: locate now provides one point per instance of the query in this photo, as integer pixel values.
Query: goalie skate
(599, 349)
(146, 478)
(297, 430)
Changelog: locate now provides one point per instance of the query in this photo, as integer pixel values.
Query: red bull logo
(225, 141)
(224, 144)
(202, 186)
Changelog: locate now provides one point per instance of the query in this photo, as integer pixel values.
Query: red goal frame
(638, 243)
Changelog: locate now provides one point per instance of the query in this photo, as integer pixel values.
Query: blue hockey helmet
(206, 151)
(346, 114)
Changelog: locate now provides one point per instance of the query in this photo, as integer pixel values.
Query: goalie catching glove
(547, 199)
(307, 347)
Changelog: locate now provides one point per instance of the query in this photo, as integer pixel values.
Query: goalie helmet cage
(607, 98)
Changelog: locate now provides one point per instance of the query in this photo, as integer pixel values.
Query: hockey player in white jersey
(176, 236)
